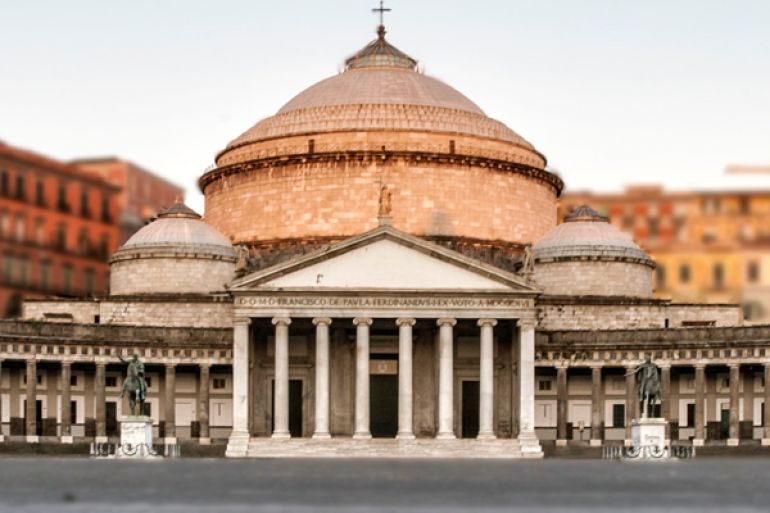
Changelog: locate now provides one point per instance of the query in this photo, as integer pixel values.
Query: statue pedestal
(648, 437)
(135, 437)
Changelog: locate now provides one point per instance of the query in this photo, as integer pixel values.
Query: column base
(628, 442)
(405, 435)
(322, 436)
(280, 435)
(595, 443)
(765, 442)
(169, 440)
(529, 445)
(362, 436)
(486, 436)
(204, 440)
(446, 436)
(237, 444)
(733, 442)
(561, 442)
(101, 439)
(67, 439)
(698, 442)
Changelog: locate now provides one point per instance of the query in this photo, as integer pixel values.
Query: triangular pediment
(385, 259)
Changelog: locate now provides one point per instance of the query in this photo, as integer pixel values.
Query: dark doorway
(724, 424)
(295, 407)
(470, 401)
(111, 418)
(383, 390)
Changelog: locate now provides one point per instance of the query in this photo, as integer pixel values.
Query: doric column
(204, 438)
(700, 394)
(528, 442)
(735, 381)
(597, 406)
(170, 399)
(486, 379)
(362, 429)
(445, 379)
(561, 405)
(238, 443)
(665, 396)
(322, 377)
(31, 410)
(405, 427)
(101, 404)
(281, 393)
(632, 402)
(65, 407)
(766, 420)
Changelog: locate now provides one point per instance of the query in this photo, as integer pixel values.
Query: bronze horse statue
(134, 385)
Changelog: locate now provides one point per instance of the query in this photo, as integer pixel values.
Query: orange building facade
(708, 246)
(57, 229)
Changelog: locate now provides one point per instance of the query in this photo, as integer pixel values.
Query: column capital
(596, 365)
(663, 365)
(241, 321)
(406, 320)
(326, 321)
(281, 321)
(734, 365)
(699, 365)
(169, 365)
(358, 321)
(204, 365)
(446, 321)
(526, 323)
(64, 363)
(486, 322)
(561, 365)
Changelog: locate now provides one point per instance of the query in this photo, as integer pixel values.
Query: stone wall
(169, 275)
(594, 278)
(199, 314)
(77, 311)
(625, 313)
(341, 198)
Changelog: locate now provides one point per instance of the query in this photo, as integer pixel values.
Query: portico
(379, 304)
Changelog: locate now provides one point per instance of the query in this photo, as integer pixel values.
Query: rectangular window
(40, 193)
(618, 415)
(719, 276)
(653, 226)
(21, 194)
(61, 199)
(23, 271)
(148, 380)
(73, 412)
(84, 245)
(61, 236)
(111, 381)
(752, 272)
(660, 276)
(4, 223)
(88, 282)
(45, 275)
(7, 267)
(66, 279)
(106, 217)
(690, 415)
(684, 273)
(4, 182)
(85, 208)
(73, 380)
(39, 231)
(218, 383)
(21, 228)
(104, 244)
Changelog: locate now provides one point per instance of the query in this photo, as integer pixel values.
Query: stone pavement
(78, 484)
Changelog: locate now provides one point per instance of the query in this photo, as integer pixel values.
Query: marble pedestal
(648, 436)
(135, 437)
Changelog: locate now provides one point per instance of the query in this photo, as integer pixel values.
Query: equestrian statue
(648, 385)
(134, 385)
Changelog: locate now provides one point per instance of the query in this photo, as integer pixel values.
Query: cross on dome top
(380, 53)
(382, 10)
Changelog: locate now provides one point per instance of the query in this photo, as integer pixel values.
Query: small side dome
(177, 253)
(588, 256)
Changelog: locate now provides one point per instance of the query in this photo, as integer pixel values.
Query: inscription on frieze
(385, 302)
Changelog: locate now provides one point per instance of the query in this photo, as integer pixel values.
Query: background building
(708, 246)
(142, 194)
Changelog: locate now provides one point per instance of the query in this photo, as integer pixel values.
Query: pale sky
(612, 91)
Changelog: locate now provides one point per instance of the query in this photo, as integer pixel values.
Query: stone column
(101, 404)
(665, 396)
(170, 399)
(65, 408)
(766, 420)
(405, 353)
(362, 427)
(530, 446)
(735, 382)
(446, 379)
(597, 406)
(281, 391)
(322, 378)
(632, 401)
(31, 410)
(486, 379)
(561, 405)
(700, 395)
(204, 438)
(238, 443)
(2, 436)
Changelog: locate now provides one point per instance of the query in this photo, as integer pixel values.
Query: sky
(613, 92)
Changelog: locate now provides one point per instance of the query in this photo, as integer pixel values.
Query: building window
(690, 421)
(745, 205)
(660, 276)
(23, 271)
(104, 243)
(752, 272)
(83, 243)
(21, 227)
(684, 273)
(66, 278)
(21, 194)
(7, 267)
(618, 415)
(40, 193)
(106, 218)
(61, 200)
(61, 236)
(148, 380)
(73, 380)
(45, 275)
(85, 209)
(111, 381)
(4, 220)
(4, 182)
(719, 276)
(39, 231)
(218, 383)
(653, 227)
(88, 282)
(73, 412)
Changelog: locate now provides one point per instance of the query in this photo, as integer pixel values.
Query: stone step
(383, 448)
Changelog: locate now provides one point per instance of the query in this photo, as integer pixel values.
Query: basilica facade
(379, 272)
